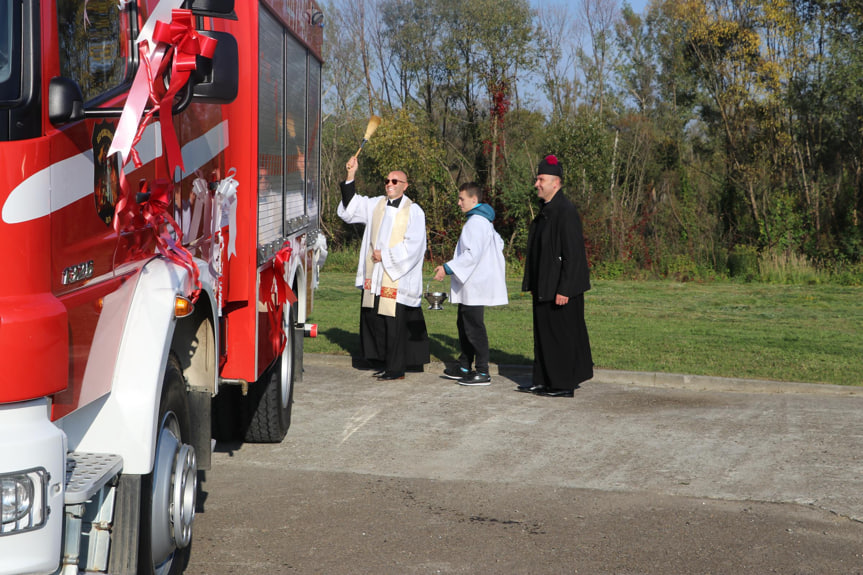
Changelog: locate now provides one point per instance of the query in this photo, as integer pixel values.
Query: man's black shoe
(475, 379)
(456, 372)
(551, 392)
(379, 373)
(539, 389)
(523, 388)
(387, 376)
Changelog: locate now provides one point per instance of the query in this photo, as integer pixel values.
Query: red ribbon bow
(283, 292)
(154, 211)
(181, 40)
(186, 44)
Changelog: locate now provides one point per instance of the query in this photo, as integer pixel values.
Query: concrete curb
(639, 378)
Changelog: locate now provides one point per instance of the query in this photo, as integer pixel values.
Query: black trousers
(472, 337)
(394, 343)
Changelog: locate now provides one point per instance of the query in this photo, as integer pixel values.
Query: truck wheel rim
(174, 492)
(184, 492)
(287, 358)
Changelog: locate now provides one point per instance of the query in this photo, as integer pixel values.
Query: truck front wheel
(168, 493)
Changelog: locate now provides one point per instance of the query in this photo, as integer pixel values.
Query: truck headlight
(22, 496)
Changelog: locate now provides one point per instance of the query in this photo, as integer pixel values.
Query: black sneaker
(475, 379)
(456, 372)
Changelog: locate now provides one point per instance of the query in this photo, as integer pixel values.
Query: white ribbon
(226, 208)
(164, 12)
(140, 93)
(202, 207)
(319, 256)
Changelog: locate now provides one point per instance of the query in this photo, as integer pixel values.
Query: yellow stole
(389, 288)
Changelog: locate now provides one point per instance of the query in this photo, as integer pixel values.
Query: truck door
(92, 45)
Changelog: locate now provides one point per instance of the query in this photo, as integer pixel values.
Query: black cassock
(395, 343)
(556, 263)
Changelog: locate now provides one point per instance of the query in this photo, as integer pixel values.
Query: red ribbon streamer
(186, 44)
(155, 213)
(284, 294)
(180, 40)
(280, 262)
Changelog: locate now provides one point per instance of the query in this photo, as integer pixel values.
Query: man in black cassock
(557, 275)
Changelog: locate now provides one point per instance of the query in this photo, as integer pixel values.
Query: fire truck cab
(159, 248)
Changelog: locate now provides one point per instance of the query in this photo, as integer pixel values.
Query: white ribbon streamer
(138, 96)
(226, 207)
(202, 208)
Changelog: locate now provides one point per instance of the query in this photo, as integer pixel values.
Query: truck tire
(169, 492)
(269, 401)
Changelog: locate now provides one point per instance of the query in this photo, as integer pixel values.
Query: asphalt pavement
(638, 473)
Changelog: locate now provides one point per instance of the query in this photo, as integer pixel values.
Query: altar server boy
(478, 279)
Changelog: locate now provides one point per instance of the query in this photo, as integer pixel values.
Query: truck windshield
(10, 37)
(5, 40)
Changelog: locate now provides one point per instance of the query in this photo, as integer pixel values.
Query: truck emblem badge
(77, 273)
(106, 171)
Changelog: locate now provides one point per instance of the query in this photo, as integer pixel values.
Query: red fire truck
(159, 224)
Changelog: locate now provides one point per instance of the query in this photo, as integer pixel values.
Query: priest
(556, 273)
(393, 332)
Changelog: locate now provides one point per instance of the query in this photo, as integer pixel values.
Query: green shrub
(681, 268)
(343, 260)
(845, 274)
(607, 270)
(515, 268)
(743, 262)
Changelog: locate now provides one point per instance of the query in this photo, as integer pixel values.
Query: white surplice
(403, 261)
(478, 268)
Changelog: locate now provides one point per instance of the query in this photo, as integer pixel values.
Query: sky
(637, 5)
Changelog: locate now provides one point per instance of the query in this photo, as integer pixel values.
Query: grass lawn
(760, 331)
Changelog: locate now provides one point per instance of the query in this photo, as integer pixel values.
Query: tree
(636, 68)
(403, 143)
(414, 32)
(598, 59)
(556, 56)
(685, 131)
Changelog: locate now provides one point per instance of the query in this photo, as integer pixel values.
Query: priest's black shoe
(539, 389)
(387, 376)
(379, 373)
(552, 392)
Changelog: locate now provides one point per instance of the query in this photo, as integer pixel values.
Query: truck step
(86, 473)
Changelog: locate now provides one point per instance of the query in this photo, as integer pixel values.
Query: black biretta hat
(549, 165)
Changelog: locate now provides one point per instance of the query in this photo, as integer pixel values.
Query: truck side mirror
(65, 101)
(216, 80)
(216, 8)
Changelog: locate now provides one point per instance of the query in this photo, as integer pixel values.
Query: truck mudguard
(123, 421)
